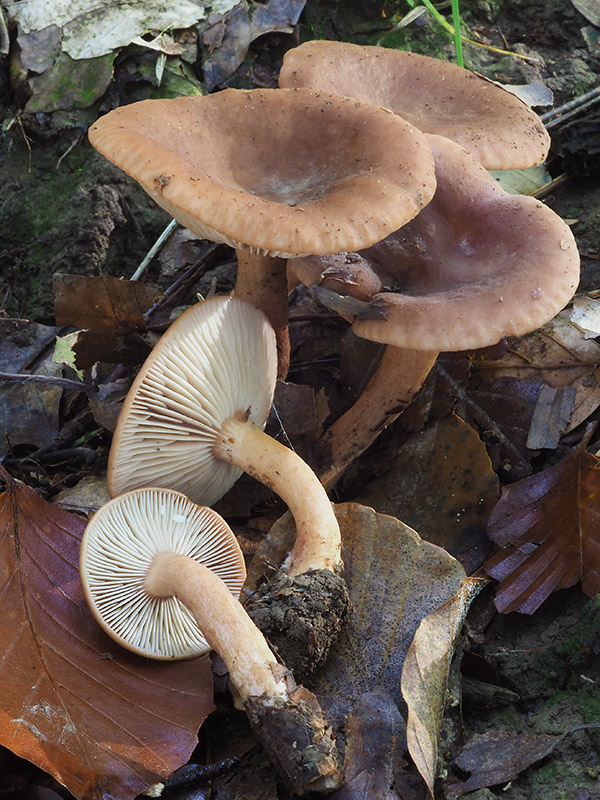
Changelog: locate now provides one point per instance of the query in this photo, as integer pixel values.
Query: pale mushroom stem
(396, 381)
(262, 281)
(252, 667)
(318, 541)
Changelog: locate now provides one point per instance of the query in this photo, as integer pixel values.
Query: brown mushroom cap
(437, 96)
(217, 360)
(477, 264)
(278, 171)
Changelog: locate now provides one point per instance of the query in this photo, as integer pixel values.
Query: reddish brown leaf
(549, 528)
(103, 722)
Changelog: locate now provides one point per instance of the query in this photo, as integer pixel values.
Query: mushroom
(274, 173)
(476, 265)
(436, 96)
(192, 421)
(162, 577)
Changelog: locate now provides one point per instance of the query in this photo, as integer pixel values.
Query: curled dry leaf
(425, 676)
(548, 527)
(103, 722)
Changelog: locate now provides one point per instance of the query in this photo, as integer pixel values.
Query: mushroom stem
(396, 381)
(262, 281)
(318, 541)
(252, 667)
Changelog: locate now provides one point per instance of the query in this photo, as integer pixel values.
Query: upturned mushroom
(192, 421)
(162, 577)
(476, 265)
(275, 173)
(436, 96)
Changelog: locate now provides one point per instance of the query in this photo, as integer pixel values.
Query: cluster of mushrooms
(364, 175)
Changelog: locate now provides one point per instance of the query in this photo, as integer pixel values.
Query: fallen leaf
(394, 579)
(440, 482)
(102, 304)
(561, 354)
(28, 411)
(69, 84)
(425, 676)
(92, 28)
(497, 757)
(551, 417)
(502, 410)
(522, 181)
(548, 527)
(102, 721)
(375, 738)
(590, 10)
(242, 25)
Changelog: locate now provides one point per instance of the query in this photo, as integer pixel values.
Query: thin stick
(154, 250)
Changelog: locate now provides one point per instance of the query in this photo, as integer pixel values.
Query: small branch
(48, 380)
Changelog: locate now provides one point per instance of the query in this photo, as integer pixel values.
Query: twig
(570, 109)
(154, 250)
(49, 380)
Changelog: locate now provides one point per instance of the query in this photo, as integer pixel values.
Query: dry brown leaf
(102, 304)
(425, 676)
(442, 484)
(103, 722)
(561, 354)
(548, 527)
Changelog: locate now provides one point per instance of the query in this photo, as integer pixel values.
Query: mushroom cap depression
(437, 96)
(218, 359)
(277, 171)
(476, 265)
(117, 549)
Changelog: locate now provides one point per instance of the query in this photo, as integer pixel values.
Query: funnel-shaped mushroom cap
(284, 172)
(437, 96)
(218, 359)
(117, 549)
(477, 264)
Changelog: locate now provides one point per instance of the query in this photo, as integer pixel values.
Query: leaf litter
(486, 406)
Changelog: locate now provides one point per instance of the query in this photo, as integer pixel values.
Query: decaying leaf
(394, 579)
(112, 313)
(497, 757)
(93, 28)
(548, 527)
(502, 410)
(102, 304)
(230, 37)
(69, 84)
(561, 353)
(441, 483)
(28, 411)
(425, 676)
(103, 722)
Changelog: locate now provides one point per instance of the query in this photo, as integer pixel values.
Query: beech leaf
(425, 676)
(548, 526)
(102, 721)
